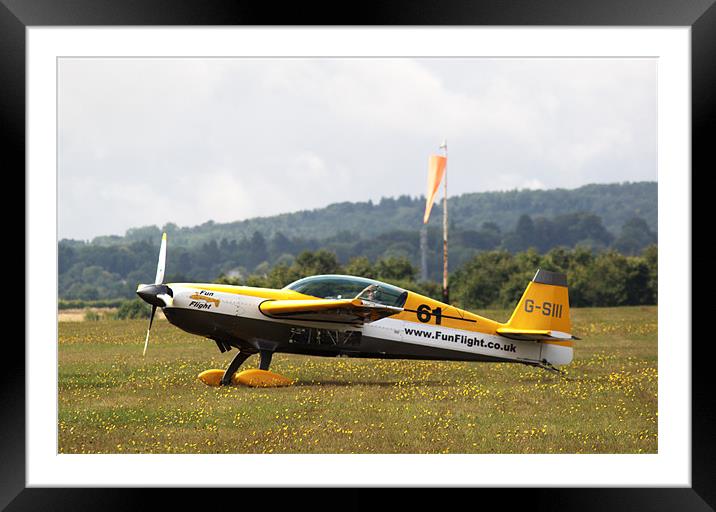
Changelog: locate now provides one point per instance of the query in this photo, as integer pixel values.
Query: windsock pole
(424, 253)
(446, 291)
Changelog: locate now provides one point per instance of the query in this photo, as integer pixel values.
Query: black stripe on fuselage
(445, 316)
(242, 332)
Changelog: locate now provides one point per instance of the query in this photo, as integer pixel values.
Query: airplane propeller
(146, 340)
(157, 294)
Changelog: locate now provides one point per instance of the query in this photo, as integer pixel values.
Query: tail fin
(543, 310)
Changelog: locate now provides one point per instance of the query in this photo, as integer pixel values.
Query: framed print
(77, 75)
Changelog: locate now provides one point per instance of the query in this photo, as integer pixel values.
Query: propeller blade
(150, 294)
(146, 340)
(162, 260)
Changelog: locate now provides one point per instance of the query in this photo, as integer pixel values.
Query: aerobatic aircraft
(340, 315)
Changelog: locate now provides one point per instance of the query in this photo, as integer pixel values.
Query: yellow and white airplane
(339, 315)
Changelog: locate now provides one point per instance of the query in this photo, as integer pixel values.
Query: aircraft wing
(351, 311)
(535, 334)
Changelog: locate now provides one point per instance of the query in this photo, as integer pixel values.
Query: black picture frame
(16, 15)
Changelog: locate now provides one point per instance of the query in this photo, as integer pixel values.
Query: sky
(152, 141)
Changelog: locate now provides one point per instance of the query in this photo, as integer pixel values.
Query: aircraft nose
(156, 294)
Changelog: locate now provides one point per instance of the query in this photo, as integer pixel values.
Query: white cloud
(143, 140)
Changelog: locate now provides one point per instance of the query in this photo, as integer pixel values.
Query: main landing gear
(260, 377)
(237, 361)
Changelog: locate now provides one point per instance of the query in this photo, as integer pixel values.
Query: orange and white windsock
(436, 171)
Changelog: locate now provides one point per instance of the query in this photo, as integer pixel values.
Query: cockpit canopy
(348, 287)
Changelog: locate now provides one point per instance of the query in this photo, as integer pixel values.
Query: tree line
(492, 279)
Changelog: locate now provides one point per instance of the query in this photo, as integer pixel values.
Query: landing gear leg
(237, 361)
(265, 359)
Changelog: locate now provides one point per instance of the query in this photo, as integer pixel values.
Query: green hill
(613, 203)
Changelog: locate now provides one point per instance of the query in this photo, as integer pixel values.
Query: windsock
(436, 171)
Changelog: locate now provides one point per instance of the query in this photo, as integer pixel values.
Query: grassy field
(112, 400)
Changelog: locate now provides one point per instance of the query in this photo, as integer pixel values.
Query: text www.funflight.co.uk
(459, 338)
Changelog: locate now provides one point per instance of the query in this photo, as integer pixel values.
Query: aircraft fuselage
(424, 329)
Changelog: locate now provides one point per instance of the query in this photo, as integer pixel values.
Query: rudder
(544, 306)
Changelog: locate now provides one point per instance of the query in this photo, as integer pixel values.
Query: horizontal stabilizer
(350, 311)
(535, 334)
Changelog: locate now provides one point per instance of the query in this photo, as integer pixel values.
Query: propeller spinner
(157, 294)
